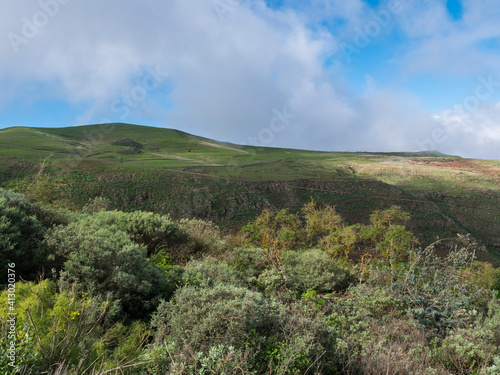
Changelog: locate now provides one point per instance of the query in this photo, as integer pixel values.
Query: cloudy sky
(340, 75)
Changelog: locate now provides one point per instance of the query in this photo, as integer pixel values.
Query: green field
(164, 170)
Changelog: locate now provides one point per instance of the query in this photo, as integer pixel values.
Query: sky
(332, 75)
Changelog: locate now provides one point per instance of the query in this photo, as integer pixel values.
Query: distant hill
(165, 170)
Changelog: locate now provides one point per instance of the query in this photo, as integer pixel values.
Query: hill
(165, 170)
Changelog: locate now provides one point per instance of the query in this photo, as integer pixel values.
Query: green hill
(165, 170)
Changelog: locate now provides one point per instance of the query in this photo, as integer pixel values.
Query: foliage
(97, 204)
(66, 331)
(209, 272)
(21, 236)
(274, 234)
(432, 287)
(315, 270)
(483, 275)
(154, 231)
(101, 259)
(284, 301)
(385, 239)
(250, 261)
(264, 331)
(472, 348)
(197, 237)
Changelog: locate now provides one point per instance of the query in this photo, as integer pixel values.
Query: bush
(203, 317)
(268, 336)
(483, 275)
(209, 272)
(197, 237)
(66, 332)
(155, 232)
(103, 260)
(315, 270)
(434, 291)
(21, 237)
(249, 261)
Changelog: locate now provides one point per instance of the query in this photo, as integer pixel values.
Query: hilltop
(169, 171)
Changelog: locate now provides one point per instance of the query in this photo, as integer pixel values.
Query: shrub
(434, 290)
(474, 348)
(483, 275)
(249, 261)
(105, 260)
(274, 234)
(387, 238)
(209, 272)
(262, 332)
(204, 317)
(154, 231)
(97, 204)
(66, 332)
(320, 223)
(21, 236)
(315, 270)
(196, 237)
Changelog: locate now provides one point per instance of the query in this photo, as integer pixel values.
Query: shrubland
(101, 291)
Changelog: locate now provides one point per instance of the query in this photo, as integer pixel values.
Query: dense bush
(434, 290)
(249, 261)
(315, 270)
(299, 294)
(106, 261)
(197, 237)
(21, 237)
(65, 333)
(266, 333)
(209, 272)
(154, 231)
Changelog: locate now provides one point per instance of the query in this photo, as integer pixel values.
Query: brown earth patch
(463, 165)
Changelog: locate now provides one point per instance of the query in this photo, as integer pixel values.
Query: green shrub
(66, 332)
(269, 336)
(276, 284)
(465, 350)
(434, 291)
(198, 237)
(204, 317)
(249, 261)
(483, 275)
(104, 260)
(315, 270)
(209, 272)
(154, 231)
(97, 204)
(21, 237)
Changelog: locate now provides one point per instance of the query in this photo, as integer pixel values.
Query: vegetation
(136, 250)
(102, 291)
(170, 172)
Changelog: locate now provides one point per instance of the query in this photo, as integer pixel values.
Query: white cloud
(227, 77)
(472, 134)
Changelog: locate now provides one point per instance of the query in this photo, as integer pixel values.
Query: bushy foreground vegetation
(108, 292)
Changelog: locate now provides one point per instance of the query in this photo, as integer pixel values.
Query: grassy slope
(193, 176)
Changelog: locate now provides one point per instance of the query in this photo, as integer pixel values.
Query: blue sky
(357, 75)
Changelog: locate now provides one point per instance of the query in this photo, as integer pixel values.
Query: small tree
(274, 234)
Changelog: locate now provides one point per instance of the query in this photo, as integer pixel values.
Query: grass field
(166, 170)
